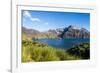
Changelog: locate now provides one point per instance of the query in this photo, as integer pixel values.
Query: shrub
(35, 51)
(61, 54)
(26, 56)
(82, 50)
(44, 54)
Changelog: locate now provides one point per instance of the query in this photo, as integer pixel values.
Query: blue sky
(44, 20)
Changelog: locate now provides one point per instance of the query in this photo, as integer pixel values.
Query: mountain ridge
(67, 32)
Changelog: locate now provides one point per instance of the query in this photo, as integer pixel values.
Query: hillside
(36, 52)
(68, 32)
(74, 32)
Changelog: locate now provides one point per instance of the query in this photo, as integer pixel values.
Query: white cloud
(27, 14)
(35, 19)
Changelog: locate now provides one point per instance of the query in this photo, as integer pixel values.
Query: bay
(63, 43)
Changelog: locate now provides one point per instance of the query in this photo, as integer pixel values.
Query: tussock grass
(33, 51)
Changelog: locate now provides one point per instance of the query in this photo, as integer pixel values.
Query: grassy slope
(35, 51)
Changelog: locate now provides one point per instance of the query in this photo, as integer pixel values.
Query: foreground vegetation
(37, 52)
(82, 50)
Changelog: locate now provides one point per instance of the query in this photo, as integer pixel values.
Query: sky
(45, 20)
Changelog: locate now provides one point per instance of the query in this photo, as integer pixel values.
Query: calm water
(63, 43)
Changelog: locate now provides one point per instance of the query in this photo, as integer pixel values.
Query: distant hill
(68, 32)
(29, 31)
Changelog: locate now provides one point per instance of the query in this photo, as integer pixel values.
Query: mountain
(35, 34)
(74, 32)
(29, 31)
(68, 32)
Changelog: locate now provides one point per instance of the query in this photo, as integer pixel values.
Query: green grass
(33, 51)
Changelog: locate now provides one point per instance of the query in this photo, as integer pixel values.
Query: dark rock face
(73, 32)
